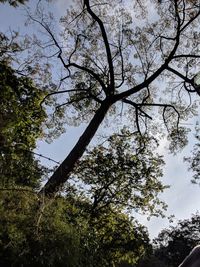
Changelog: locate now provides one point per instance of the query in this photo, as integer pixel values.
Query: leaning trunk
(62, 173)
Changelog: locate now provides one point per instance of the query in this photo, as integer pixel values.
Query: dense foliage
(194, 159)
(122, 174)
(175, 243)
(20, 126)
(36, 231)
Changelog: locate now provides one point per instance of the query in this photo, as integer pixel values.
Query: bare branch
(164, 110)
(150, 79)
(61, 92)
(186, 56)
(177, 73)
(107, 46)
(127, 101)
(190, 21)
(122, 61)
(67, 66)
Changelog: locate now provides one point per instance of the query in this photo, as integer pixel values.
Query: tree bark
(62, 173)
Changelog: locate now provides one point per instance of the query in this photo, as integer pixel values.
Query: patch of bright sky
(182, 198)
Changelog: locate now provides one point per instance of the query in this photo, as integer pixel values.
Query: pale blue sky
(183, 198)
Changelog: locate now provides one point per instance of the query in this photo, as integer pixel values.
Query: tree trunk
(62, 173)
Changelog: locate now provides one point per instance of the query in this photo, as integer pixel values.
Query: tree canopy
(121, 59)
(119, 175)
(176, 242)
(172, 244)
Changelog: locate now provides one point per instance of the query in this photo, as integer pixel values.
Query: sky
(183, 197)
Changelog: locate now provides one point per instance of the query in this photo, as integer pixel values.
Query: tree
(21, 124)
(194, 159)
(172, 245)
(117, 239)
(38, 231)
(22, 120)
(151, 261)
(120, 175)
(35, 230)
(113, 56)
(31, 236)
(175, 243)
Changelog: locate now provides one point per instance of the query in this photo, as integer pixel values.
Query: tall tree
(118, 55)
(38, 231)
